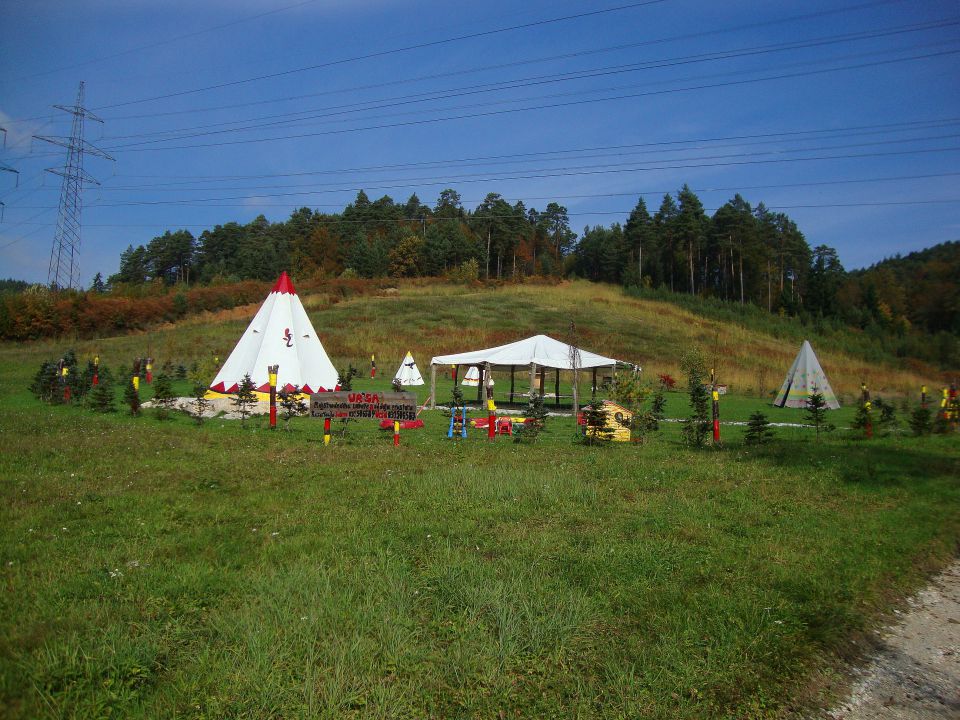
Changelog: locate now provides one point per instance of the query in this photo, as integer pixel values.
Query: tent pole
(483, 379)
(512, 368)
(593, 395)
(533, 376)
(456, 374)
(556, 388)
(433, 386)
(576, 399)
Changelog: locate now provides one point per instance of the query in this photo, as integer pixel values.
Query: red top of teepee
(284, 285)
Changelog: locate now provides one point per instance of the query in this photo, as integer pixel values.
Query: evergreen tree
(697, 427)
(163, 397)
(658, 406)
(132, 398)
(292, 404)
(921, 421)
(245, 398)
(101, 397)
(345, 377)
(816, 412)
(888, 416)
(535, 418)
(597, 431)
(199, 404)
(759, 431)
(46, 383)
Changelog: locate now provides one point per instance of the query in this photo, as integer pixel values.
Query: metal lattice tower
(64, 271)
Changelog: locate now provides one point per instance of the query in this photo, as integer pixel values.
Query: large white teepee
(805, 377)
(472, 378)
(408, 373)
(279, 334)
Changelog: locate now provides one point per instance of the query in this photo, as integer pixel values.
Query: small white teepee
(408, 373)
(804, 378)
(279, 334)
(472, 378)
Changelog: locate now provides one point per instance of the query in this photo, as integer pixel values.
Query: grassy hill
(167, 569)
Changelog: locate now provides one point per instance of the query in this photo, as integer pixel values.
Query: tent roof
(540, 349)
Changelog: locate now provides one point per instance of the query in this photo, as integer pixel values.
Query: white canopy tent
(539, 352)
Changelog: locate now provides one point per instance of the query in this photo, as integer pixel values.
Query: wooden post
(576, 396)
(923, 396)
(149, 370)
(396, 433)
(455, 374)
(483, 377)
(593, 392)
(433, 386)
(136, 374)
(512, 368)
(556, 389)
(96, 370)
(533, 376)
(373, 366)
(326, 431)
(272, 371)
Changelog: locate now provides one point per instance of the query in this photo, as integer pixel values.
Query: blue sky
(845, 114)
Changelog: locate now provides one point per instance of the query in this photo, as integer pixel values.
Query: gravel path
(916, 673)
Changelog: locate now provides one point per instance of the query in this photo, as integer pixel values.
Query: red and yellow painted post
(136, 375)
(491, 407)
(373, 366)
(96, 370)
(326, 431)
(396, 433)
(272, 370)
(868, 430)
(923, 396)
(149, 370)
(716, 416)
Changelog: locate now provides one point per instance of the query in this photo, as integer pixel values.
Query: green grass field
(159, 569)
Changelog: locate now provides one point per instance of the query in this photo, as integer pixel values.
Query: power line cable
(549, 106)
(461, 177)
(522, 83)
(847, 156)
(384, 53)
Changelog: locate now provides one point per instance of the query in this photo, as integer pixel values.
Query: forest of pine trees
(741, 254)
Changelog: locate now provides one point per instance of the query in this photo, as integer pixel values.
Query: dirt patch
(915, 675)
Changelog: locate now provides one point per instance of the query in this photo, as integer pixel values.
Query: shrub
(244, 398)
(759, 431)
(921, 421)
(697, 427)
(816, 412)
(598, 432)
(163, 397)
(132, 398)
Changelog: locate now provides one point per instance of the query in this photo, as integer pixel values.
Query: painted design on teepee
(408, 373)
(803, 379)
(279, 334)
(472, 378)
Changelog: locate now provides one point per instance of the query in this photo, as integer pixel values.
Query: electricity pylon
(64, 271)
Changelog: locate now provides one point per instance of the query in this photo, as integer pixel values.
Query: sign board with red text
(364, 405)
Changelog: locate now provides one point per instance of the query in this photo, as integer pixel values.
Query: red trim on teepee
(284, 285)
